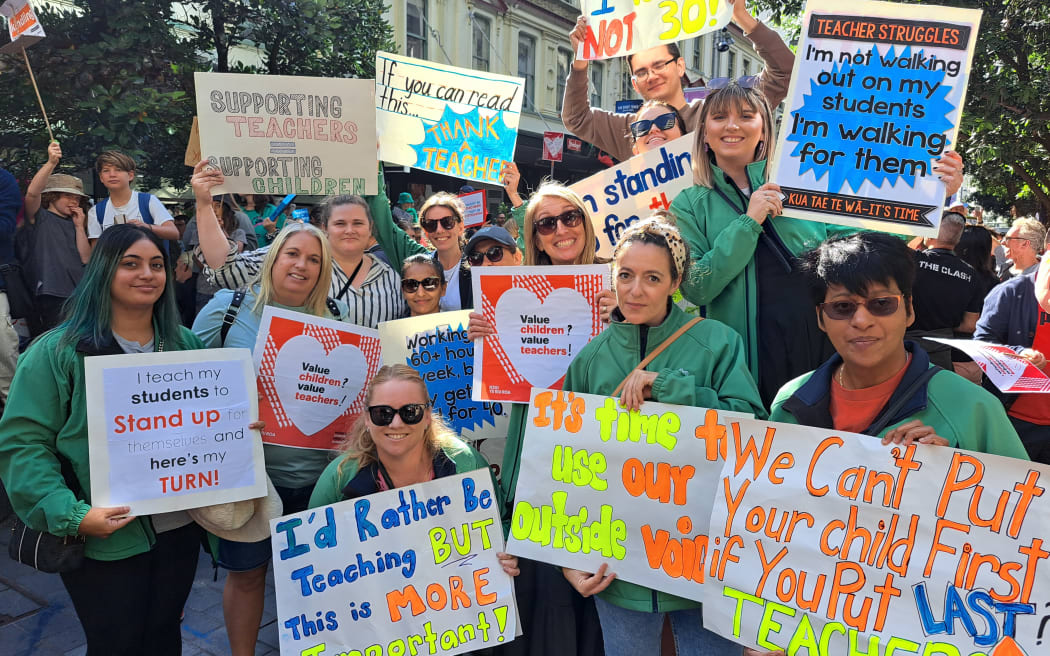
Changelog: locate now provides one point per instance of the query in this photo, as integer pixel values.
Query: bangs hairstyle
(732, 97)
(551, 189)
(89, 310)
(359, 445)
(332, 202)
(858, 261)
(444, 199)
(427, 261)
(315, 302)
(116, 159)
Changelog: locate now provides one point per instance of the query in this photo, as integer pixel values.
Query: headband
(660, 228)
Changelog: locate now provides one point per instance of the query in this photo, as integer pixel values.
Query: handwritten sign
(169, 431)
(312, 377)
(282, 134)
(395, 572)
(832, 543)
(876, 97)
(436, 346)
(453, 121)
(543, 316)
(22, 24)
(1008, 371)
(636, 188)
(617, 28)
(475, 204)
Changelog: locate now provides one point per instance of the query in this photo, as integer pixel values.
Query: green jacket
(722, 240)
(46, 417)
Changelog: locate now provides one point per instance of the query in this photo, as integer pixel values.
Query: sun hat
(241, 521)
(61, 183)
(405, 197)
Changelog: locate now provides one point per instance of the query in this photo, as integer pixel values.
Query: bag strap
(658, 350)
(100, 211)
(231, 315)
(886, 417)
(342, 292)
(144, 200)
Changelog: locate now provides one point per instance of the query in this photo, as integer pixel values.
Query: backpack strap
(231, 315)
(658, 350)
(100, 211)
(144, 201)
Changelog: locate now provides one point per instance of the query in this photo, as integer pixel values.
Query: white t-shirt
(451, 298)
(130, 212)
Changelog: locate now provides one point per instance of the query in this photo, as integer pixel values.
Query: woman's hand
(949, 168)
(54, 153)
(637, 389)
(1035, 358)
(588, 584)
(576, 37)
(742, 17)
(79, 220)
(103, 522)
(479, 326)
(509, 563)
(765, 202)
(269, 225)
(510, 177)
(606, 299)
(257, 425)
(914, 431)
(205, 179)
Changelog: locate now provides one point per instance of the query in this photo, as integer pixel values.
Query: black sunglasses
(410, 285)
(883, 306)
(664, 121)
(547, 226)
(430, 225)
(494, 254)
(382, 415)
(746, 82)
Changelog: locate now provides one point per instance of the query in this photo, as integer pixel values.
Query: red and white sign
(311, 374)
(475, 203)
(573, 144)
(22, 25)
(1008, 371)
(553, 142)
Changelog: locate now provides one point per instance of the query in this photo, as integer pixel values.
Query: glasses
(746, 82)
(410, 285)
(643, 74)
(430, 225)
(883, 306)
(1009, 238)
(382, 415)
(494, 254)
(548, 225)
(664, 121)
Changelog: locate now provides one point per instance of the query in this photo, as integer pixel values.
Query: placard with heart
(312, 374)
(543, 316)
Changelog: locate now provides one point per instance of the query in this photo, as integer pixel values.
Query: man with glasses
(657, 74)
(1023, 244)
(493, 246)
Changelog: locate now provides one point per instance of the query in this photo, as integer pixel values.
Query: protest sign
(575, 145)
(832, 544)
(1008, 371)
(391, 572)
(283, 134)
(543, 316)
(599, 484)
(436, 346)
(453, 121)
(475, 204)
(169, 430)
(634, 189)
(553, 145)
(22, 24)
(193, 146)
(875, 99)
(312, 377)
(617, 28)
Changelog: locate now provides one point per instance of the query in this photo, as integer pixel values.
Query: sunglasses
(494, 254)
(883, 306)
(430, 225)
(382, 415)
(664, 121)
(746, 82)
(548, 225)
(410, 285)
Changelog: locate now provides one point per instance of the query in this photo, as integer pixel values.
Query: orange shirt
(855, 410)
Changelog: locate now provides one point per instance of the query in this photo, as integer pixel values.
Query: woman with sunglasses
(422, 284)
(744, 252)
(655, 124)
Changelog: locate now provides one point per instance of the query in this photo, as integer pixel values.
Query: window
(698, 63)
(482, 43)
(625, 79)
(416, 29)
(597, 75)
(527, 68)
(731, 68)
(747, 67)
(564, 64)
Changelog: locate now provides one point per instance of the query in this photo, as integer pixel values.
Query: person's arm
(1042, 284)
(776, 76)
(80, 230)
(969, 323)
(39, 181)
(238, 268)
(394, 241)
(211, 239)
(511, 177)
(992, 326)
(163, 223)
(329, 486)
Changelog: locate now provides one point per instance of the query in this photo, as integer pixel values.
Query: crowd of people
(804, 322)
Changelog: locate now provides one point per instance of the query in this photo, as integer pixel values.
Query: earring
(706, 147)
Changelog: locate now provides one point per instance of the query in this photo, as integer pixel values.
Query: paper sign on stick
(636, 188)
(617, 28)
(22, 24)
(312, 377)
(875, 99)
(832, 543)
(169, 431)
(282, 134)
(410, 570)
(436, 346)
(453, 121)
(1008, 371)
(543, 316)
(476, 207)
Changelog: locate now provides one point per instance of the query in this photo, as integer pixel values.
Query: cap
(494, 233)
(61, 183)
(466, 189)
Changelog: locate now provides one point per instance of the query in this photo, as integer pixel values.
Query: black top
(946, 288)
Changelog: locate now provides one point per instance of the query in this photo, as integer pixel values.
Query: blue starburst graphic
(444, 357)
(466, 145)
(887, 122)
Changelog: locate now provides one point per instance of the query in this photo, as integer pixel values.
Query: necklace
(842, 367)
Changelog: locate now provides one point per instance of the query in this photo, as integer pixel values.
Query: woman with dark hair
(655, 124)
(422, 284)
(975, 248)
(137, 571)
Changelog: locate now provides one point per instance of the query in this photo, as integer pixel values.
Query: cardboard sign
(634, 189)
(394, 572)
(553, 144)
(830, 543)
(193, 146)
(436, 346)
(476, 206)
(169, 431)
(282, 134)
(1008, 371)
(312, 377)
(453, 121)
(876, 97)
(543, 316)
(22, 24)
(575, 145)
(617, 28)
(599, 484)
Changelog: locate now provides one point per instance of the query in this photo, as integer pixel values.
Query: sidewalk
(37, 617)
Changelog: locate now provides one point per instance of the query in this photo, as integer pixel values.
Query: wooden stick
(38, 99)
